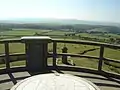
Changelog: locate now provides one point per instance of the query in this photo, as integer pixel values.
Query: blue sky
(93, 10)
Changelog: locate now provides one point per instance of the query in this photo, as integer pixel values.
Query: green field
(72, 48)
(26, 32)
(23, 32)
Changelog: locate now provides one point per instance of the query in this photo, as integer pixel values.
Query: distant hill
(108, 29)
(57, 21)
(60, 24)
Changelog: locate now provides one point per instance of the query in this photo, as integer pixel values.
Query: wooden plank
(112, 60)
(13, 54)
(69, 41)
(10, 41)
(110, 74)
(54, 53)
(7, 58)
(87, 43)
(75, 55)
(101, 58)
(20, 57)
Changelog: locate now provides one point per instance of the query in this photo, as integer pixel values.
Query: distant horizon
(33, 18)
(20, 18)
(87, 10)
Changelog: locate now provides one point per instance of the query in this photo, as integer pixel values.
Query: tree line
(72, 27)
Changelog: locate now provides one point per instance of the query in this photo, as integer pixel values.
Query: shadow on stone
(12, 78)
(32, 73)
(109, 85)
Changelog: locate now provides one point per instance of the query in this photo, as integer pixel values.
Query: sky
(91, 10)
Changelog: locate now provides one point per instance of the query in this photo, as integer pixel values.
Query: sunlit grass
(72, 48)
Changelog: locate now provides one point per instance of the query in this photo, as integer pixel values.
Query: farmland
(72, 48)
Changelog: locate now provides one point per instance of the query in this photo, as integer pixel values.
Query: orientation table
(54, 81)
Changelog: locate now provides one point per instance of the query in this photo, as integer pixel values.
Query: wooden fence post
(101, 58)
(7, 57)
(54, 53)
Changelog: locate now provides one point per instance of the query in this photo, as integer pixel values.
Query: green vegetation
(23, 32)
(72, 48)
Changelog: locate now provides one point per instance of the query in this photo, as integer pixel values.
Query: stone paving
(104, 83)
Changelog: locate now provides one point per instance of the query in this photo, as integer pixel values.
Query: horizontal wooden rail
(111, 60)
(84, 56)
(14, 54)
(15, 57)
(17, 60)
(69, 41)
(20, 56)
(75, 55)
(87, 43)
(10, 41)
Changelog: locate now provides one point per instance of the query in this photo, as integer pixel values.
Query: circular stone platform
(54, 82)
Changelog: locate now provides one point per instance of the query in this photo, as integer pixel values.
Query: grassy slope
(72, 48)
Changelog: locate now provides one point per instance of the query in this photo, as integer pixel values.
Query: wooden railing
(101, 54)
(7, 56)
